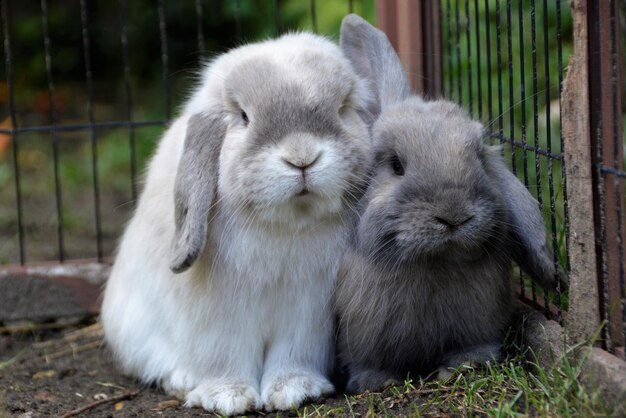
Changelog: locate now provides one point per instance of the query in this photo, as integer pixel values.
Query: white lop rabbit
(220, 290)
(427, 283)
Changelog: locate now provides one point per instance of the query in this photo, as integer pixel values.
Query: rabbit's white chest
(254, 257)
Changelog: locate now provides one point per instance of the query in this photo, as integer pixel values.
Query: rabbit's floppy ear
(528, 233)
(195, 187)
(375, 60)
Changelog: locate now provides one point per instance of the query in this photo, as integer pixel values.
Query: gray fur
(528, 233)
(277, 106)
(427, 283)
(195, 188)
(368, 49)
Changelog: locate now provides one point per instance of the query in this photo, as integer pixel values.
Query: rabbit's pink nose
(301, 164)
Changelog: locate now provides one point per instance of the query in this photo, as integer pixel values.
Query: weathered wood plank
(583, 315)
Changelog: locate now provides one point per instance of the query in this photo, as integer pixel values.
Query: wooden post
(608, 158)
(583, 315)
(410, 42)
(414, 29)
(433, 54)
(386, 16)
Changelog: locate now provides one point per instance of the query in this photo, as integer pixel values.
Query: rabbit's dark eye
(244, 118)
(397, 167)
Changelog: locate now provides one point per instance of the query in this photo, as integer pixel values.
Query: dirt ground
(55, 373)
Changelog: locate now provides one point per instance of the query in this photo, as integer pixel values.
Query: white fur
(249, 324)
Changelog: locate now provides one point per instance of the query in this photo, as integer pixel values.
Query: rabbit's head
(433, 193)
(274, 136)
(437, 193)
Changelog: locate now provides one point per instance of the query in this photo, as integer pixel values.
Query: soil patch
(52, 373)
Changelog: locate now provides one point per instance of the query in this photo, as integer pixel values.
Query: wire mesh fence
(503, 61)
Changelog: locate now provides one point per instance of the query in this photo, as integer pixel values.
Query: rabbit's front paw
(363, 379)
(290, 389)
(225, 397)
(179, 383)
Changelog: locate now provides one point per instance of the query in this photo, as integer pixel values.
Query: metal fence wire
(83, 106)
(500, 64)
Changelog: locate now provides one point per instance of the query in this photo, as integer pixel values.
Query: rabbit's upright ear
(195, 188)
(527, 230)
(375, 60)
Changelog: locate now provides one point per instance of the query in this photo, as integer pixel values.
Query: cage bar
(511, 93)
(93, 138)
(477, 42)
(608, 199)
(457, 39)
(314, 15)
(488, 56)
(129, 99)
(563, 162)
(468, 45)
(551, 192)
(71, 127)
(522, 90)
(533, 32)
(500, 116)
(618, 287)
(448, 53)
(53, 132)
(8, 61)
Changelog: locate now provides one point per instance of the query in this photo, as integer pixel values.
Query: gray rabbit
(427, 282)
